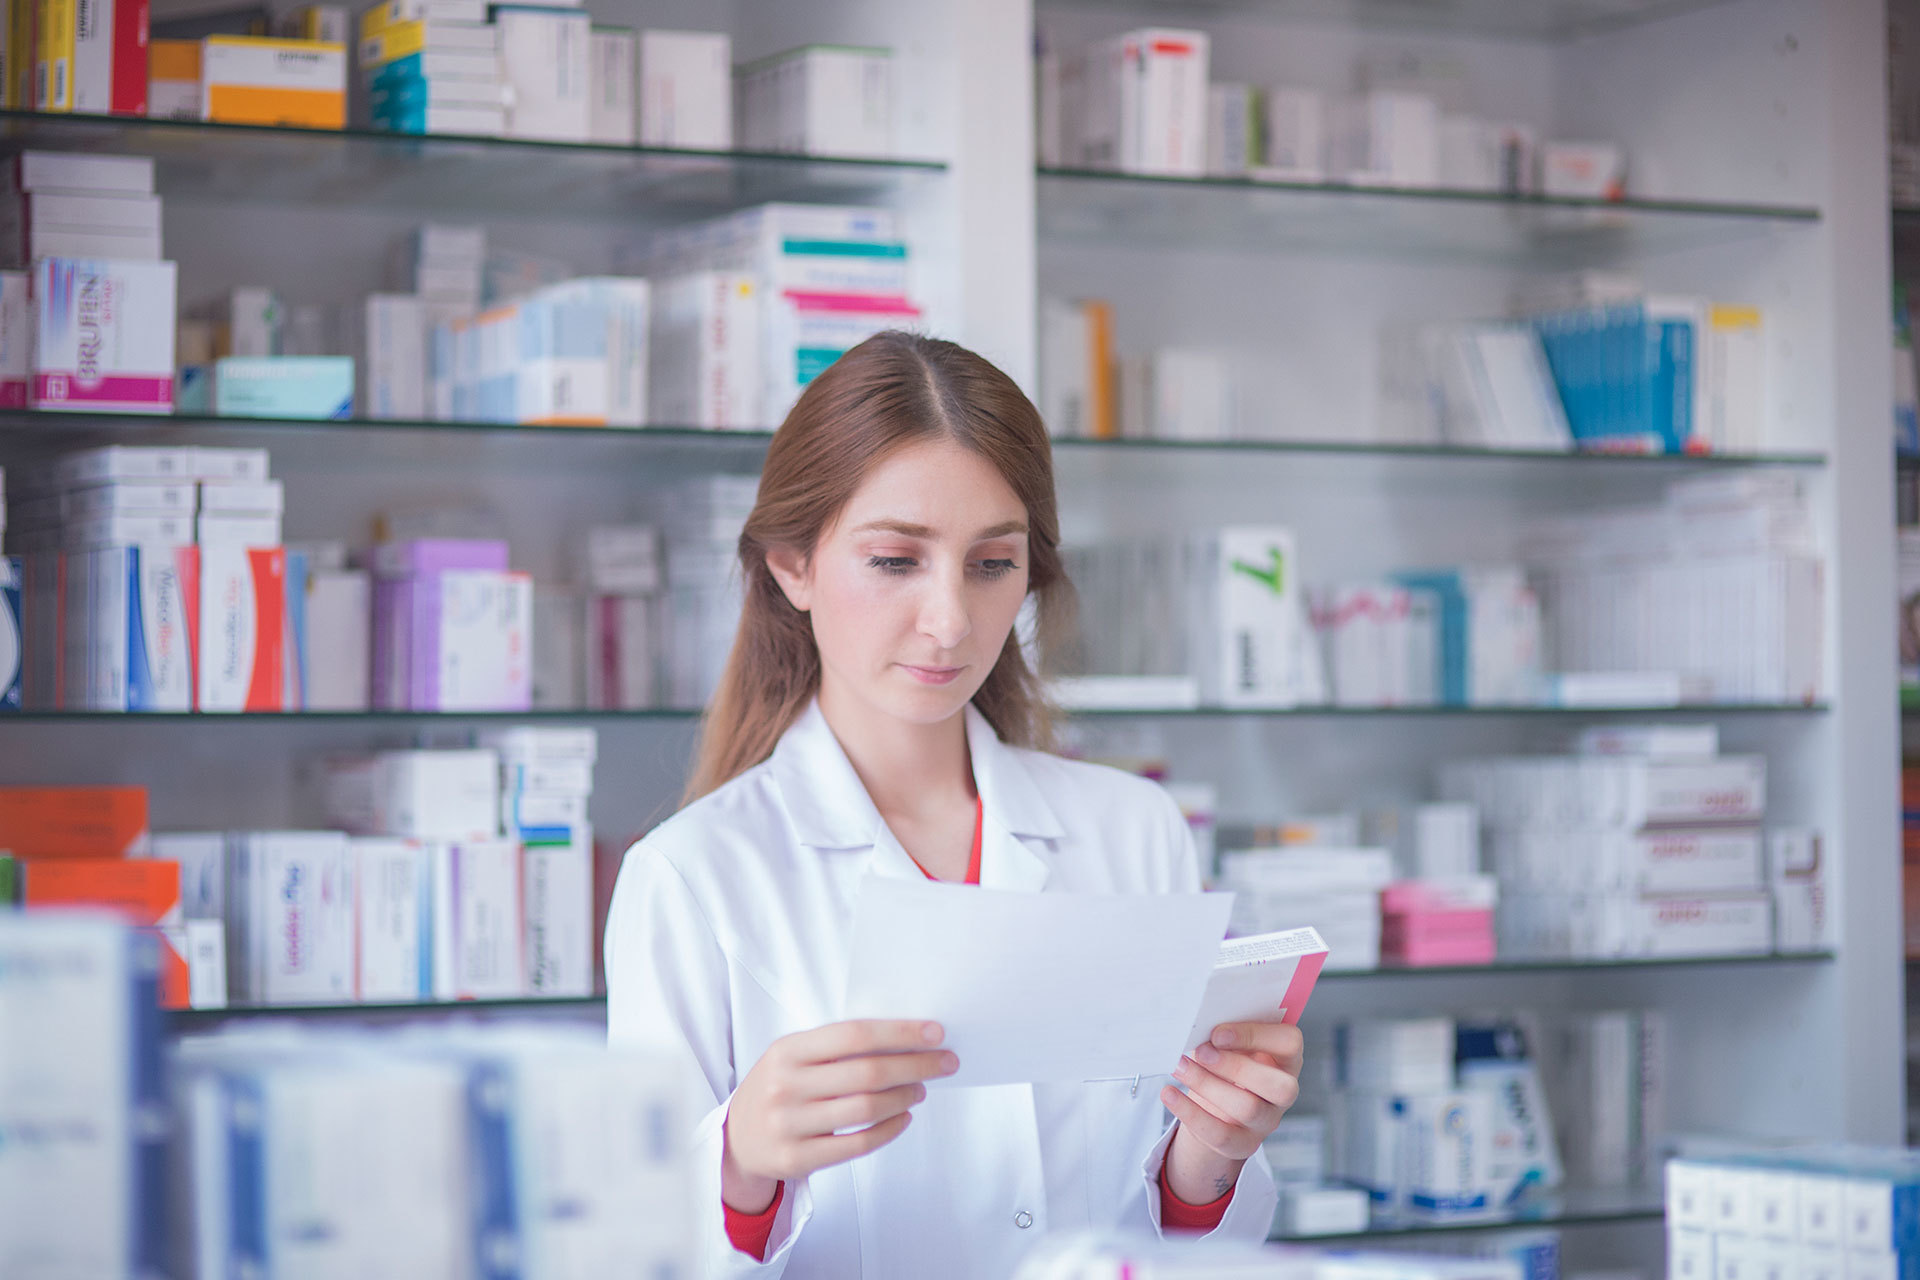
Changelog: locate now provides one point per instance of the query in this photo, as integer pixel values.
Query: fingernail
(1206, 1055)
(1226, 1037)
(932, 1033)
(949, 1063)
(1183, 1070)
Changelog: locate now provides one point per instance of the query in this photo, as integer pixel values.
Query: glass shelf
(298, 444)
(1624, 964)
(480, 177)
(1222, 214)
(190, 1019)
(668, 715)
(1575, 1208)
(184, 1020)
(1510, 19)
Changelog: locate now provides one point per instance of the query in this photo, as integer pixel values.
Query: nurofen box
(242, 628)
(143, 607)
(105, 331)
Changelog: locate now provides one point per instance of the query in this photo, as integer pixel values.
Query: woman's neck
(906, 768)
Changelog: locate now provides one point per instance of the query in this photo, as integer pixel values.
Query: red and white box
(242, 639)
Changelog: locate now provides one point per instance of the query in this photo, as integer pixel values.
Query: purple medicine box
(406, 613)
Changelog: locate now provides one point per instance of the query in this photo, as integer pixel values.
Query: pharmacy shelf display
(194, 1019)
(1418, 223)
(1506, 19)
(477, 177)
(1578, 1207)
(45, 429)
(690, 715)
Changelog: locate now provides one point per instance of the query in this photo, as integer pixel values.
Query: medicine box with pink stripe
(105, 331)
(1263, 978)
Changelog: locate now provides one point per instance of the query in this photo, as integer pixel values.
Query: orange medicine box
(73, 822)
(146, 892)
(250, 80)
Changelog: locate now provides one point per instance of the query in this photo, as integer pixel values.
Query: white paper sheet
(1037, 987)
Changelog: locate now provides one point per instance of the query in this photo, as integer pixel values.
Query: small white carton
(105, 335)
(393, 879)
(685, 94)
(477, 935)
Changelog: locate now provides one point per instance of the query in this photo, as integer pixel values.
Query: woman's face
(913, 590)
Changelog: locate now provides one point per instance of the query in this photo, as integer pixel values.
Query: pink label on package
(52, 390)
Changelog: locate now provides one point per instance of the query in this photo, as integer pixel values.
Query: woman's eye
(890, 564)
(996, 568)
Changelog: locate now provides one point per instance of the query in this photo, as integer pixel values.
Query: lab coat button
(1023, 1219)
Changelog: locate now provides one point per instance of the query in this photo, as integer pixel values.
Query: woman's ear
(794, 574)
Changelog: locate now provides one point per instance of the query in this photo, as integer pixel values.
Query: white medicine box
(1774, 1204)
(1689, 1196)
(1689, 1255)
(1879, 1215)
(1821, 1197)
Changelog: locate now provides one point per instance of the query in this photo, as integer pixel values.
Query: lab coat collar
(830, 808)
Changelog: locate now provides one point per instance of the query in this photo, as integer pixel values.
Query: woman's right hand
(823, 1097)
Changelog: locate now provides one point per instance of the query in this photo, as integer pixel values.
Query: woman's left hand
(1238, 1086)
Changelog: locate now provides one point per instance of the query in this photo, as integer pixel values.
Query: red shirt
(750, 1232)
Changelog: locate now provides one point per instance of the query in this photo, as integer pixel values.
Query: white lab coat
(729, 929)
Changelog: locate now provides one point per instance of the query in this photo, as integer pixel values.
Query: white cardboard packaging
(1386, 139)
(242, 629)
(393, 880)
(293, 894)
(205, 947)
(1689, 1195)
(395, 368)
(1296, 121)
(685, 89)
(139, 630)
(823, 100)
(1584, 170)
(437, 795)
(486, 638)
(202, 856)
(339, 626)
(1822, 1204)
(612, 77)
(1249, 617)
(476, 920)
(105, 335)
(1445, 1144)
(1397, 1056)
(223, 530)
(82, 1201)
(546, 57)
(704, 351)
(1723, 925)
(1682, 860)
(1139, 102)
(557, 906)
(1690, 1254)
(1322, 1211)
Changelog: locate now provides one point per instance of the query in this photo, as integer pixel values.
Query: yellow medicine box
(248, 80)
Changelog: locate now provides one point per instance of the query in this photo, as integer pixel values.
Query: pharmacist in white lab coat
(863, 727)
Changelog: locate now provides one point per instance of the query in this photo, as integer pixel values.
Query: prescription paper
(1037, 987)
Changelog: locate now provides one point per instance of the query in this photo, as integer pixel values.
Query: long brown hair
(892, 390)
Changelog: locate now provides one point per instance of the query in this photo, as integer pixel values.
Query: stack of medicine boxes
(433, 66)
(829, 277)
(546, 780)
(1646, 844)
(122, 545)
(1843, 1213)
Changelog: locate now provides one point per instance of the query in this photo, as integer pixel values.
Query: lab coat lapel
(1018, 826)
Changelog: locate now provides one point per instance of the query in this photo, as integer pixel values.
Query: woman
(877, 717)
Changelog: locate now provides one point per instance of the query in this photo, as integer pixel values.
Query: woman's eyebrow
(907, 529)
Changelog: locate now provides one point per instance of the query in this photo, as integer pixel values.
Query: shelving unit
(1745, 120)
